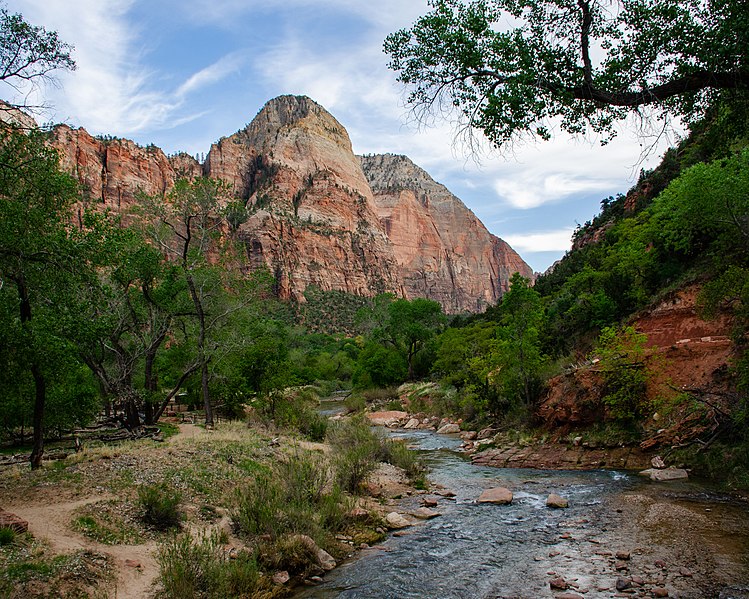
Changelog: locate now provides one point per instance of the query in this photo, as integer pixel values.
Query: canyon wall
(317, 214)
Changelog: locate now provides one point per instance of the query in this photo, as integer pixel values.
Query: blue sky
(182, 74)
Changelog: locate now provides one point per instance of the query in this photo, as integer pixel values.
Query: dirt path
(135, 565)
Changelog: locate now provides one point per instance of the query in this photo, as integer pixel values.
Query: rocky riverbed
(621, 536)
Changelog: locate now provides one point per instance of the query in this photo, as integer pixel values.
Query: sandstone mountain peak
(317, 214)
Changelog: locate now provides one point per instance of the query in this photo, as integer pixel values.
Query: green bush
(297, 497)
(7, 536)
(160, 505)
(199, 567)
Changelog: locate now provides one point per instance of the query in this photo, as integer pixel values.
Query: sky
(180, 74)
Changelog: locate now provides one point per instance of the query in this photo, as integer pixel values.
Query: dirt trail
(135, 564)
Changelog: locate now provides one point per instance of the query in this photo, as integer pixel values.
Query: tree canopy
(513, 70)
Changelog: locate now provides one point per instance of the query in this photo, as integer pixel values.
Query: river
(681, 537)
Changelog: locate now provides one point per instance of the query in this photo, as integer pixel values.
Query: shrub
(7, 536)
(160, 505)
(296, 498)
(192, 567)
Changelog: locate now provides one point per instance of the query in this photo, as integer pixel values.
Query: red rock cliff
(443, 251)
(313, 216)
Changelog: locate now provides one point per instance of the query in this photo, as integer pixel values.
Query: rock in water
(449, 429)
(424, 513)
(499, 495)
(412, 424)
(556, 501)
(665, 474)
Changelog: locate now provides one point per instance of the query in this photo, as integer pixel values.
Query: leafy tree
(29, 54)
(187, 225)
(410, 325)
(585, 63)
(44, 264)
(621, 360)
(518, 354)
(379, 366)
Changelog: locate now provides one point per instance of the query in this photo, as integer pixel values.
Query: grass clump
(7, 536)
(160, 504)
(107, 523)
(358, 450)
(192, 567)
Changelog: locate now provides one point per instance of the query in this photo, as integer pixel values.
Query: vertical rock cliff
(443, 251)
(317, 214)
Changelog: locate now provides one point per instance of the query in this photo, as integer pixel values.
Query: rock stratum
(318, 214)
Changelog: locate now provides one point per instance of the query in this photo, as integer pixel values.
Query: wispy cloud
(211, 74)
(112, 89)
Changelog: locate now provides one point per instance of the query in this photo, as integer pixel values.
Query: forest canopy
(516, 70)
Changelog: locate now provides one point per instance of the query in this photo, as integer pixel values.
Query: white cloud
(533, 190)
(558, 240)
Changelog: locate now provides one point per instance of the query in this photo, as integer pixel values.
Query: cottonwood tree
(189, 226)
(28, 55)
(513, 69)
(45, 262)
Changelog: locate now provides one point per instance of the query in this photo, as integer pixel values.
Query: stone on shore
(449, 429)
(394, 521)
(8, 520)
(281, 577)
(498, 495)
(391, 418)
(665, 474)
(323, 558)
(412, 424)
(556, 501)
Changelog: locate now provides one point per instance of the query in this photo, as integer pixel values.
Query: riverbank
(87, 535)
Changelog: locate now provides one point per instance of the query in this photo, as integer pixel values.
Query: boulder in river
(449, 429)
(394, 521)
(556, 501)
(412, 424)
(498, 495)
(424, 513)
(665, 474)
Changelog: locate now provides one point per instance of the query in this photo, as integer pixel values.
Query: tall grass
(199, 567)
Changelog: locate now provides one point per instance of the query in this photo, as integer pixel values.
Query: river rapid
(678, 537)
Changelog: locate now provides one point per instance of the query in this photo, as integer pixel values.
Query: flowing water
(681, 537)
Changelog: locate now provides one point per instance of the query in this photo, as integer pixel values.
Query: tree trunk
(40, 398)
(201, 350)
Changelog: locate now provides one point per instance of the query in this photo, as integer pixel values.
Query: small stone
(685, 572)
(446, 493)
(576, 441)
(556, 501)
(498, 496)
(623, 584)
(131, 563)
(359, 514)
(660, 563)
(621, 566)
(658, 463)
(428, 502)
(638, 580)
(424, 513)
(660, 592)
(623, 555)
(316, 579)
(559, 583)
(281, 577)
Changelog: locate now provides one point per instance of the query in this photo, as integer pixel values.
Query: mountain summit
(318, 214)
